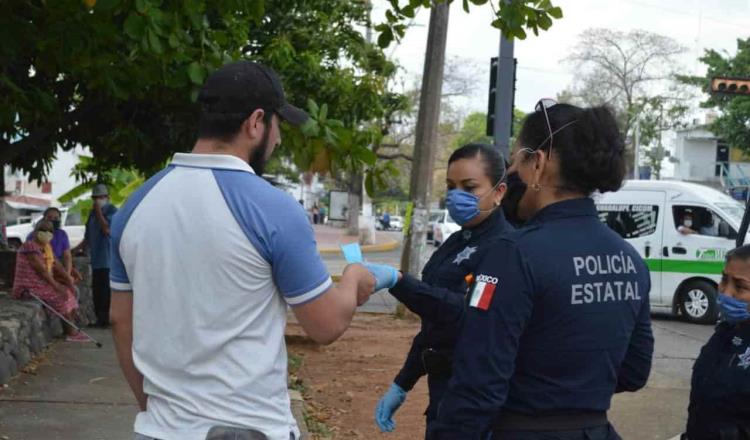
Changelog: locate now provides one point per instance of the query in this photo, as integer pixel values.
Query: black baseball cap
(242, 87)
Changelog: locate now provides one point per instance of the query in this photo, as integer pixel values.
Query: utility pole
(426, 138)
(636, 150)
(503, 121)
(3, 218)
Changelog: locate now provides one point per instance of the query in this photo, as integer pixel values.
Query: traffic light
(491, 101)
(493, 91)
(732, 86)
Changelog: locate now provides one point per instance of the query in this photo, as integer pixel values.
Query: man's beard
(258, 157)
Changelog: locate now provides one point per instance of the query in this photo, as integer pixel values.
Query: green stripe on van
(685, 266)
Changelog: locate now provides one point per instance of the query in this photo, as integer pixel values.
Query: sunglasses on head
(542, 106)
(45, 230)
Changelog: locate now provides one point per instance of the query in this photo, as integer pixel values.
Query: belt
(556, 421)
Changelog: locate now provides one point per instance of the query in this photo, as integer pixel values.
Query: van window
(630, 221)
(697, 220)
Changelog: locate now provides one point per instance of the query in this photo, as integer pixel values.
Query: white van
(17, 233)
(685, 257)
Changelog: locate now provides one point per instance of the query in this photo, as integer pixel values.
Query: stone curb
(25, 330)
(368, 248)
(298, 410)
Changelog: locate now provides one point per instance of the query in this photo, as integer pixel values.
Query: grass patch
(314, 418)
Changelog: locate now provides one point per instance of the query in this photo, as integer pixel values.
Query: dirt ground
(342, 382)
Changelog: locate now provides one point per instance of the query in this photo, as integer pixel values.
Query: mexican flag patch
(484, 289)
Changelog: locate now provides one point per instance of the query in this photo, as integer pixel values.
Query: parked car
(17, 233)
(397, 223)
(685, 266)
(442, 226)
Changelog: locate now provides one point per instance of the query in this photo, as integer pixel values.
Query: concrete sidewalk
(77, 392)
(329, 239)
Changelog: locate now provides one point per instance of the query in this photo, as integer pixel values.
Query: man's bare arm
(121, 319)
(327, 317)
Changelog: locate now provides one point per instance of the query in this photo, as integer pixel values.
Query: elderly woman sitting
(38, 272)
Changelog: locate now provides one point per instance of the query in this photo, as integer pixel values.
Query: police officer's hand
(387, 406)
(386, 276)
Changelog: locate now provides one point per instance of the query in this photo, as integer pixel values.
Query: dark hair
(42, 224)
(225, 126)
(590, 150)
(494, 163)
(50, 209)
(742, 253)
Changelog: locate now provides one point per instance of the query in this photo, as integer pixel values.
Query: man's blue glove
(385, 276)
(387, 406)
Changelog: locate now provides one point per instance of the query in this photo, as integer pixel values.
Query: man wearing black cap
(206, 257)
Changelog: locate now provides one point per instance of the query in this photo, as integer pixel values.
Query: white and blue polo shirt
(213, 254)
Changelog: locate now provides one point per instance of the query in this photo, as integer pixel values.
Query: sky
(696, 24)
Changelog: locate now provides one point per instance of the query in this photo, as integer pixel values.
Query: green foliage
(121, 76)
(732, 125)
(474, 128)
(657, 114)
(513, 18)
(121, 183)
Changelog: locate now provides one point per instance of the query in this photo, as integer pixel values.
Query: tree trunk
(3, 220)
(355, 198)
(426, 139)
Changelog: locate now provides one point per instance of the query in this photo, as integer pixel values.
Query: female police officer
(558, 316)
(475, 189)
(720, 395)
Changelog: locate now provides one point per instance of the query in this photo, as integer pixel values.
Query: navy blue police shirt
(720, 391)
(439, 298)
(558, 321)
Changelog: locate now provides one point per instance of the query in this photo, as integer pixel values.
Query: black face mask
(514, 194)
(56, 224)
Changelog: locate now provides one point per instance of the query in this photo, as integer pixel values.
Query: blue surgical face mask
(463, 206)
(732, 309)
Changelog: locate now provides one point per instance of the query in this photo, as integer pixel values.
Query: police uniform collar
(496, 216)
(581, 207)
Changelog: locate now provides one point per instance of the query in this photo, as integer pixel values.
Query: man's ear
(254, 124)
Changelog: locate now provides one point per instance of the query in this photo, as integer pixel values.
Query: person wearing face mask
(558, 314)
(719, 406)
(97, 240)
(38, 271)
(475, 183)
(686, 226)
(60, 242)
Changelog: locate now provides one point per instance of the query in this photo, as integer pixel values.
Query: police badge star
(464, 254)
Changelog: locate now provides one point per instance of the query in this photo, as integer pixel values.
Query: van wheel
(698, 302)
(14, 243)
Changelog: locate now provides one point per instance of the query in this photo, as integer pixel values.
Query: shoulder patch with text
(484, 289)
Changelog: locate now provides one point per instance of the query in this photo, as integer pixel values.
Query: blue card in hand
(352, 253)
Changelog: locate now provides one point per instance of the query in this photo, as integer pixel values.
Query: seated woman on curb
(720, 394)
(39, 272)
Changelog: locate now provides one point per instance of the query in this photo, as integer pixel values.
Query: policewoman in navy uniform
(558, 317)
(720, 394)
(475, 189)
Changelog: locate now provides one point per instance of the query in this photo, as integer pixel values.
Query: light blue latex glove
(387, 406)
(385, 276)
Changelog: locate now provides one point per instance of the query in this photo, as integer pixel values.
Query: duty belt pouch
(437, 363)
(229, 433)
